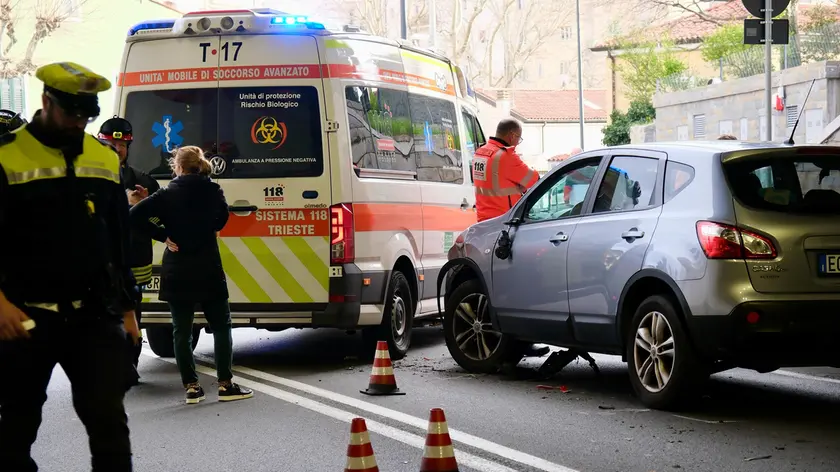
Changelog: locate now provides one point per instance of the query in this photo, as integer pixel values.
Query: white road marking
(797, 375)
(420, 423)
(404, 437)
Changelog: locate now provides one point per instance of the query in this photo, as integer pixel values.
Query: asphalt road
(308, 383)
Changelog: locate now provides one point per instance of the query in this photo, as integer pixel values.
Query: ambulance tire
(161, 341)
(397, 318)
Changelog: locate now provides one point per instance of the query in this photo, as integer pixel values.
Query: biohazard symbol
(266, 130)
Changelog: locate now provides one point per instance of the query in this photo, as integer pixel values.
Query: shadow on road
(317, 350)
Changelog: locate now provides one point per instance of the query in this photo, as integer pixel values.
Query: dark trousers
(90, 347)
(136, 350)
(217, 314)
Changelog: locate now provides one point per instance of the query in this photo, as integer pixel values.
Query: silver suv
(684, 258)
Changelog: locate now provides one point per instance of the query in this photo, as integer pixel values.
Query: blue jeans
(217, 314)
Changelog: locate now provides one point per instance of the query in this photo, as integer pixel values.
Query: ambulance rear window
(247, 132)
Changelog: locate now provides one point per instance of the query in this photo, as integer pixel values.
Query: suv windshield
(802, 183)
(248, 132)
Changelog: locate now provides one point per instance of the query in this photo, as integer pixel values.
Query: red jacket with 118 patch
(500, 178)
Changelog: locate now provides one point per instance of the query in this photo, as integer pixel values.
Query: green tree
(618, 131)
(644, 64)
(820, 34)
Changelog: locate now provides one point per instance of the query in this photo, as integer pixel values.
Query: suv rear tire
(397, 318)
(670, 375)
(457, 331)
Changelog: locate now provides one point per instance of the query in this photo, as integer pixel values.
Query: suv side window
(677, 178)
(628, 184)
(564, 193)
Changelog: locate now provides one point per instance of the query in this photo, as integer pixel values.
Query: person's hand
(11, 321)
(171, 245)
(142, 191)
(133, 197)
(131, 326)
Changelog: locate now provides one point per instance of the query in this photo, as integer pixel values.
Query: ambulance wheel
(161, 341)
(397, 318)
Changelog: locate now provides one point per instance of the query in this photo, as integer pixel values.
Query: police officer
(64, 216)
(138, 185)
(10, 121)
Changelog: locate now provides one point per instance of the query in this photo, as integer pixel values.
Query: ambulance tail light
(342, 237)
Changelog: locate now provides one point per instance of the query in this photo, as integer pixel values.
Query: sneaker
(194, 395)
(232, 392)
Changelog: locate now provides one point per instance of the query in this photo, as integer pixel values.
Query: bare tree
(48, 15)
(372, 15)
(525, 32)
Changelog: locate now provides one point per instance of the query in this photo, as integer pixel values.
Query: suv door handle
(559, 238)
(632, 234)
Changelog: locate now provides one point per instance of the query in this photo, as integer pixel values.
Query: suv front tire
(470, 337)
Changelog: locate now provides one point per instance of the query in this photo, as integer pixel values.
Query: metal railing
(816, 45)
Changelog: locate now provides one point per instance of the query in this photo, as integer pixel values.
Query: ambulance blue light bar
(295, 20)
(151, 25)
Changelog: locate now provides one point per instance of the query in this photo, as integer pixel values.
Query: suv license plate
(828, 264)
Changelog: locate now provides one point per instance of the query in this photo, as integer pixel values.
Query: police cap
(73, 87)
(10, 121)
(117, 129)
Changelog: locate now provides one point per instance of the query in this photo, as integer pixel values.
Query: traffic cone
(382, 380)
(359, 451)
(439, 455)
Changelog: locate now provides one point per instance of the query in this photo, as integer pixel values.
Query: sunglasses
(71, 112)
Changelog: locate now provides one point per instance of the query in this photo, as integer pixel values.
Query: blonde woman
(193, 210)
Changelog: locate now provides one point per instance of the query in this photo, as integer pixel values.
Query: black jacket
(140, 255)
(192, 208)
(64, 232)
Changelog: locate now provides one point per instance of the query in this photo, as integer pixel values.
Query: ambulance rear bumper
(345, 309)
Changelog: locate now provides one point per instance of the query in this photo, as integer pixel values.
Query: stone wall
(737, 107)
(643, 133)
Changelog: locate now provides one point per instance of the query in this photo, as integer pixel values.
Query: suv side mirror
(503, 246)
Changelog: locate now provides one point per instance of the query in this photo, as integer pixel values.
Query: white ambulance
(344, 158)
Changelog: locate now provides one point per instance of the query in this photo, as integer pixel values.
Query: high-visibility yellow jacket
(64, 220)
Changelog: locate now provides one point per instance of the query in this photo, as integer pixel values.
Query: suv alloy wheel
(470, 336)
(664, 370)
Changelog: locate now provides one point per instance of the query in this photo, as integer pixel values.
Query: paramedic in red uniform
(500, 180)
(500, 175)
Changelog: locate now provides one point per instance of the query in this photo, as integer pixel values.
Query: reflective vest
(500, 177)
(64, 219)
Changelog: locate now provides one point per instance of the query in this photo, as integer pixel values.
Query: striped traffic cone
(359, 452)
(382, 380)
(439, 455)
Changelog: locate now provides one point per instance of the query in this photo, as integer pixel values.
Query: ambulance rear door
(273, 165)
(168, 91)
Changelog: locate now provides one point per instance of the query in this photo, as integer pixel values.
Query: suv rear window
(258, 132)
(807, 184)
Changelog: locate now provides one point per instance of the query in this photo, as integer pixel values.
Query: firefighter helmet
(116, 129)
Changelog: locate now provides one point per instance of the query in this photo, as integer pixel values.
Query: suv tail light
(720, 241)
(342, 244)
